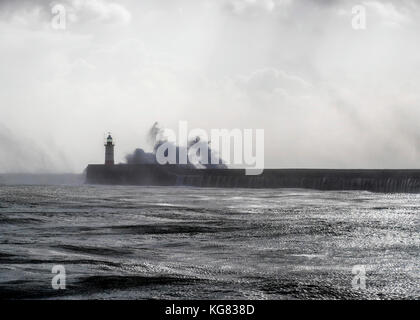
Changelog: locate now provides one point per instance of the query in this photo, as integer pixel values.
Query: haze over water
(197, 243)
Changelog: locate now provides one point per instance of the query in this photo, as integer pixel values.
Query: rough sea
(127, 242)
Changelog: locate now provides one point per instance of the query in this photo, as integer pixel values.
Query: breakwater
(392, 181)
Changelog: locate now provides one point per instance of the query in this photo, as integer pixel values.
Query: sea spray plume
(156, 137)
(19, 153)
(139, 156)
(199, 150)
(154, 134)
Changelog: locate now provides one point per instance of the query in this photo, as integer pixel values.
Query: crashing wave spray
(156, 137)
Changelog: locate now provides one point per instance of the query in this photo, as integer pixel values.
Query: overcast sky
(327, 95)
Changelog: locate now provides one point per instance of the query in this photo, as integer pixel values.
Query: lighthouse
(109, 151)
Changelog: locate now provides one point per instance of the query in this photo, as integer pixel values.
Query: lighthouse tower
(109, 151)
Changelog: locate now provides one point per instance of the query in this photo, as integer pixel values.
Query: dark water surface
(198, 243)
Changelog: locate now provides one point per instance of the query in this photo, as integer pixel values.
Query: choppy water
(193, 243)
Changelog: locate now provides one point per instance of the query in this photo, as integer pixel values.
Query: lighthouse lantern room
(109, 151)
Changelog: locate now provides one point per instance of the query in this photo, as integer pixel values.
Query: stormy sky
(327, 95)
